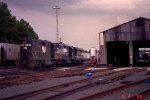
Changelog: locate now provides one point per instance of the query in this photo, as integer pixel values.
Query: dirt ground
(15, 76)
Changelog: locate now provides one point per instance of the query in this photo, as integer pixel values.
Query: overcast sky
(80, 21)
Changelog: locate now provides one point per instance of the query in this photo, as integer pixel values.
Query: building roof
(125, 23)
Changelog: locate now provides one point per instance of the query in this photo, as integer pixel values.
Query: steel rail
(33, 93)
(79, 89)
(110, 91)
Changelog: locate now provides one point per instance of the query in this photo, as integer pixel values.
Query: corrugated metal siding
(12, 51)
(109, 36)
(103, 55)
(133, 26)
(147, 25)
(147, 29)
(147, 35)
(125, 27)
(128, 32)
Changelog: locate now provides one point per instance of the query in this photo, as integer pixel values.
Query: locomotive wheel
(39, 64)
(58, 62)
(23, 65)
(64, 62)
(43, 63)
(74, 62)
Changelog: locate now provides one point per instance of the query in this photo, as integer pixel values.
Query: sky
(80, 21)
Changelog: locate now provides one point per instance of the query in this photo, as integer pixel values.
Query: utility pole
(60, 40)
(57, 31)
(99, 49)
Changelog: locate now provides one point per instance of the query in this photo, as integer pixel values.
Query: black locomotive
(41, 53)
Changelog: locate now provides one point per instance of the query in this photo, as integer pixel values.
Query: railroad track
(141, 95)
(21, 79)
(79, 89)
(116, 89)
(24, 79)
(33, 93)
(146, 93)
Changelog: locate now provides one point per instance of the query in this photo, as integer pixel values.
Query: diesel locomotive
(41, 53)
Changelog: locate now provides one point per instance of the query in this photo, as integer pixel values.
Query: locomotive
(41, 53)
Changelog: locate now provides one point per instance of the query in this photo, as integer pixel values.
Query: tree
(11, 29)
(26, 30)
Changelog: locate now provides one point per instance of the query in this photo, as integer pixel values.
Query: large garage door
(118, 53)
(141, 53)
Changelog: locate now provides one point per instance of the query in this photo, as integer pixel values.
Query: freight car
(40, 53)
(9, 54)
(93, 56)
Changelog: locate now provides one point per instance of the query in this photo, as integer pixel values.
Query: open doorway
(118, 53)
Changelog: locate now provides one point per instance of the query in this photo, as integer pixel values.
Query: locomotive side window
(25, 48)
(44, 49)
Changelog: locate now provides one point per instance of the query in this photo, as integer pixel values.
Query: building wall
(130, 31)
(103, 55)
(147, 29)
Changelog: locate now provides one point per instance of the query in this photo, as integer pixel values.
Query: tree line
(13, 30)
